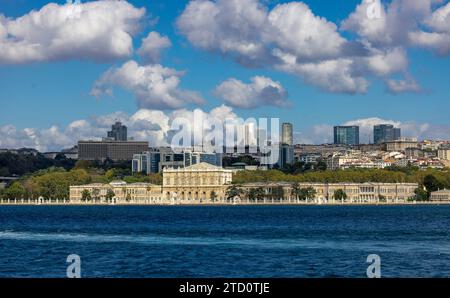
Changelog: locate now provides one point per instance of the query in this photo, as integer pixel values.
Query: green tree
(233, 191)
(307, 193)
(259, 193)
(278, 193)
(61, 191)
(86, 195)
(155, 178)
(213, 196)
(339, 194)
(83, 164)
(15, 191)
(420, 194)
(296, 190)
(251, 194)
(96, 194)
(431, 183)
(109, 195)
(255, 194)
(321, 165)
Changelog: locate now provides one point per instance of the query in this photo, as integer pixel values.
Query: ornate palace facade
(206, 183)
(197, 183)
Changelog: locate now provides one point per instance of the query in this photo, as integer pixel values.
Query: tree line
(54, 183)
(277, 193)
(429, 180)
(12, 164)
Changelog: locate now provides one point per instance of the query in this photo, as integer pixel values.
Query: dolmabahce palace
(204, 183)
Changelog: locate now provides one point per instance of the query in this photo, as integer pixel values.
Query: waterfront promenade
(66, 202)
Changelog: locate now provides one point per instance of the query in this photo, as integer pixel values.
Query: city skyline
(54, 95)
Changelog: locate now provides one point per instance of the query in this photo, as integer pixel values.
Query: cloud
(155, 126)
(292, 39)
(437, 42)
(404, 23)
(323, 133)
(389, 24)
(383, 63)
(404, 85)
(97, 30)
(409, 128)
(146, 125)
(296, 30)
(437, 37)
(152, 47)
(337, 75)
(261, 91)
(439, 20)
(373, 28)
(154, 86)
(231, 27)
(11, 137)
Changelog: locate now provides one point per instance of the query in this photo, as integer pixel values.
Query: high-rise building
(286, 155)
(250, 135)
(157, 160)
(115, 146)
(287, 134)
(346, 135)
(118, 132)
(385, 133)
(146, 162)
(114, 150)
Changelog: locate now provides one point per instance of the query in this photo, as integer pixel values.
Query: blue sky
(43, 93)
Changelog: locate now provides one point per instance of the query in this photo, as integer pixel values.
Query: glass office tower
(346, 135)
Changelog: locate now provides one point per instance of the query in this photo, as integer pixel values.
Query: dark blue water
(237, 241)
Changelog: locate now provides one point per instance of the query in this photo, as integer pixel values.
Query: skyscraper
(286, 155)
(287, 137)
(346, 135)
(385, 133)
(250, 137)
(118, 132)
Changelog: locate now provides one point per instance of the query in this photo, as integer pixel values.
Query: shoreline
(229, 204)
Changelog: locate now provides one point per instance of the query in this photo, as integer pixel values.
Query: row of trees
(301, 167)
(87, 196)
(299, 193)
(53, 183)
(429, 180)
(350, 175)
(12, 164)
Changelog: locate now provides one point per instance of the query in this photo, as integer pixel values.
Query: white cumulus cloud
(292, 39)
(403, 85)
(152, 47)
(261, 91)
(154, 86)
(153, 126)
(97, 30)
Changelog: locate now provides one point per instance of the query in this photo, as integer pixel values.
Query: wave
(400, 246)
